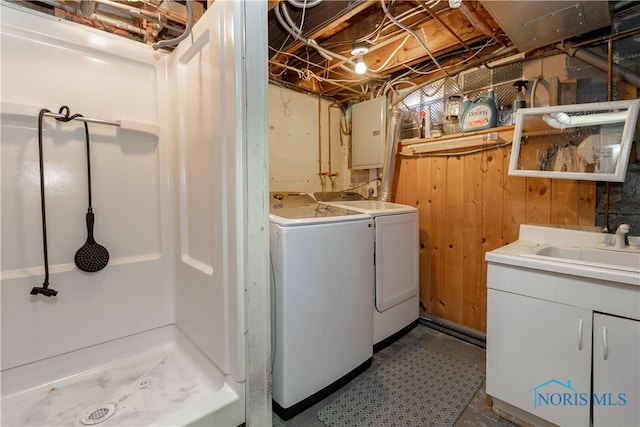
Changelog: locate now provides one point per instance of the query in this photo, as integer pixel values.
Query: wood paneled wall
(469, 205)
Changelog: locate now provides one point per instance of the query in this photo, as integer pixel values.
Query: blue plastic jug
(480, 113)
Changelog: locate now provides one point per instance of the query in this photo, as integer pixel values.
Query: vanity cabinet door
(616, 371)
(539, 356)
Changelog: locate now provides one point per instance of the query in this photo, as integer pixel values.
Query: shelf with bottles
(493, 137)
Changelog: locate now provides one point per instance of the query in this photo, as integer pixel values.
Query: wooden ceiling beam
(271, 4)
(438, 42)
(445, 25)
(480, 19)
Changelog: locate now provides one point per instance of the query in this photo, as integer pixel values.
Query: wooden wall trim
(468, 205)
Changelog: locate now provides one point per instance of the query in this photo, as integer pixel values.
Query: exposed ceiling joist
(407, 40)
(435, 30)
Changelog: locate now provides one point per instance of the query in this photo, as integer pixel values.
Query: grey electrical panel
(368, 131)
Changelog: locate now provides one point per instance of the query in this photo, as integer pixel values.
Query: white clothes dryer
(322, 269)
(397, 306)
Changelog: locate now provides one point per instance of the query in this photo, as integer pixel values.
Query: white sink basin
(619, 260)
(580, 253)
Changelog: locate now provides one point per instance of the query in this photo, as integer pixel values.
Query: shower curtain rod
(85, 119)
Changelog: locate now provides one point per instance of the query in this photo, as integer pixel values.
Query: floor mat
(419, 388)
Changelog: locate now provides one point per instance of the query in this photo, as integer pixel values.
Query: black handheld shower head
(44, 290)
(91, 257)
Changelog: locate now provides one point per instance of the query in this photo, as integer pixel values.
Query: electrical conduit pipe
(182, 36)
(319, 141)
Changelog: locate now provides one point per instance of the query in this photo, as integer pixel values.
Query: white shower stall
(157, 337)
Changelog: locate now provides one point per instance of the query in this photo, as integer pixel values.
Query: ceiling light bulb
(358, 51)
(361, 67)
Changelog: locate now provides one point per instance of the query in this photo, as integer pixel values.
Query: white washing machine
(322, 269)
(397, 305)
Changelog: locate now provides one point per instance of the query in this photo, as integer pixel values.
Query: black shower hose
(44, 289)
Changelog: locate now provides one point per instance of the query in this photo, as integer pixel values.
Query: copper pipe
(329, 139)
(631, 32)
(319, 140)
(610, 70)
(607, 194)
(609, 97)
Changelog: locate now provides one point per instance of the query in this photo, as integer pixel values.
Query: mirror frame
(623, 111)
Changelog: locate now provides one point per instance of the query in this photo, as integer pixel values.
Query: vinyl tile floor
(477, 414)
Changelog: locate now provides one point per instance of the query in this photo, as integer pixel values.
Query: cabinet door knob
(605, 346)
(580, 335)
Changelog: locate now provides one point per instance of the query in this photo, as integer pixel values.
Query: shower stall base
(156, 377)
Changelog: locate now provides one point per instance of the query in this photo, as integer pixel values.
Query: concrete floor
(478, 413)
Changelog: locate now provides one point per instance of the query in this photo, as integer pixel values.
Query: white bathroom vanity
(563, 328)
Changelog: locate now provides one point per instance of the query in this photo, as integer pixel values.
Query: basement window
(472, 84)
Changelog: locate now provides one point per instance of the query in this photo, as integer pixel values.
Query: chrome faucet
(621, 234)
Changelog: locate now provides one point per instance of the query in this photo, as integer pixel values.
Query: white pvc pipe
(563, 120)
(532, 102)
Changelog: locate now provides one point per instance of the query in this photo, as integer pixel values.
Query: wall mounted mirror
(579, 141)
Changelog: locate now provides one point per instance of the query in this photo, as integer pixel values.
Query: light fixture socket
(359, 49)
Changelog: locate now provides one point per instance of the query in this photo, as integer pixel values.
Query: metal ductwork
(534, 24)
(391, 148)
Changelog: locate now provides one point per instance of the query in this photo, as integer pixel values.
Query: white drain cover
(99, 413)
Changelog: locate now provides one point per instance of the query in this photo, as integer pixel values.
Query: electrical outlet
(374, 185)
(372, 190)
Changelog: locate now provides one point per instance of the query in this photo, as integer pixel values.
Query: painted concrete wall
(624, 198)
(299, 139)
(581, 83)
